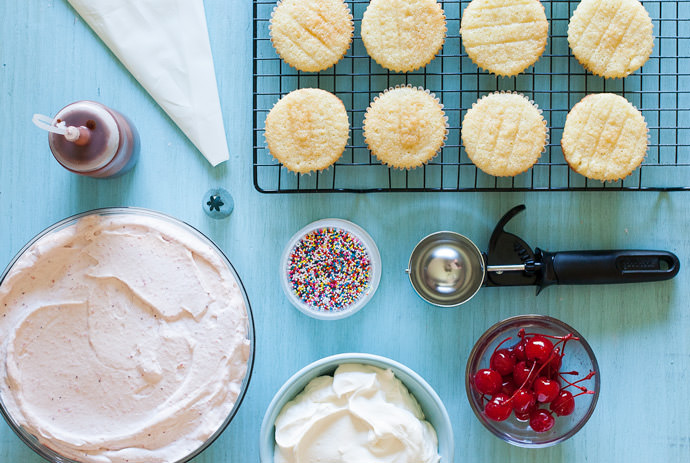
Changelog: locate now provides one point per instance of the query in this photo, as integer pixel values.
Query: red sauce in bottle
(108, 144)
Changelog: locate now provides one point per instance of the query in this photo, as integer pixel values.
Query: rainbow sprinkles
(329, 269)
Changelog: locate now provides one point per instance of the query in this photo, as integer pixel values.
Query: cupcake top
(604, 137)
(405, 127)
(504, 37)
(311, 35)
(307, 130)
(504, 134)
(611, 38)
(403, 35)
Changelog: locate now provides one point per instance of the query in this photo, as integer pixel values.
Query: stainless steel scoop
(447, 269)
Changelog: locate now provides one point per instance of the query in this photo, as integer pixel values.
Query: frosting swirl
(361, 413)
(125, 338)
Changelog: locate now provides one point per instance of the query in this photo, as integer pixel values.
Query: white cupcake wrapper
(352, 34)
(500, 74)
(547, 139)
(313, 170)
(436, 99)
(547, 135)
(445, 36)
(587, 67)
(646, 151)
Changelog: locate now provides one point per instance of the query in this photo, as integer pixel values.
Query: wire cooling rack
(660, 89)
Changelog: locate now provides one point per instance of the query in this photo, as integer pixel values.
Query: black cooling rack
(660, 89)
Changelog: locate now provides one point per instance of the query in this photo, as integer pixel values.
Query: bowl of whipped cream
(356, 407)
(127, 337)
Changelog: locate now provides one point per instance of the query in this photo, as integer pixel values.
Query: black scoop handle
(600, 267)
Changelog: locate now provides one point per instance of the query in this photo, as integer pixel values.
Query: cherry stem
(567, 337)
(561, 339)
(502, 342)
(574, 383)
(554, 353)
(531, 377)
(524, 383)
(565, 341)
(590, 375)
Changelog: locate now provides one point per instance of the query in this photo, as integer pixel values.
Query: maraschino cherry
(522, 377)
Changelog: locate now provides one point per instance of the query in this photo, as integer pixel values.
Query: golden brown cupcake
(611, 38)
(307, 130)
(504, 134)
(504, 37)
(405, 127)
(604, 137)
(403, 35)
(311, 35)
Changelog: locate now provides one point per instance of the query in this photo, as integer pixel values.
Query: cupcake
(604, 137)
(403, 35)
(505, 37)
(311, 35)
(504, 134)
(611, 38)
(307, 130)
(405, 127)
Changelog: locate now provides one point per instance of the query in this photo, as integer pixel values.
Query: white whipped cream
(360, 414)
(124, 339)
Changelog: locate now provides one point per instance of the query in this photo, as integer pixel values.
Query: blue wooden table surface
(49, 57)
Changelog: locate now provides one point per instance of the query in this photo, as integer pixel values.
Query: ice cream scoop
(447, 269)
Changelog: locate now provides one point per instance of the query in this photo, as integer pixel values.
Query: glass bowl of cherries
(532, 380)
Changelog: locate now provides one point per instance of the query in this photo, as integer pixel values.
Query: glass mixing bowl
(578, 357)
(50, 454)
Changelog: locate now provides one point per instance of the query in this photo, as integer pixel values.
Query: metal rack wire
(661, 90)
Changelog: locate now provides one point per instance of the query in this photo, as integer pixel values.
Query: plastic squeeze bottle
(90, 139)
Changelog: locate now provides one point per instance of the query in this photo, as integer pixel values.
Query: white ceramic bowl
(432, 406)
(374, 276)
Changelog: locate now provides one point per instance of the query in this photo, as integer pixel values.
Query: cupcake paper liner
(436, 99)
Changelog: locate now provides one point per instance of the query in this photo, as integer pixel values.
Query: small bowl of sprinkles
(330, 269)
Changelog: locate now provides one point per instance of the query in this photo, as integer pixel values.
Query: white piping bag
(165, 45)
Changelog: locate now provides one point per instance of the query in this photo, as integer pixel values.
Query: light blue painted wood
(48, 58)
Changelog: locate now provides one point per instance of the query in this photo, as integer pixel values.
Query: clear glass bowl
(52, 456)
(578, 357)
(432, 406)
(366, 294)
